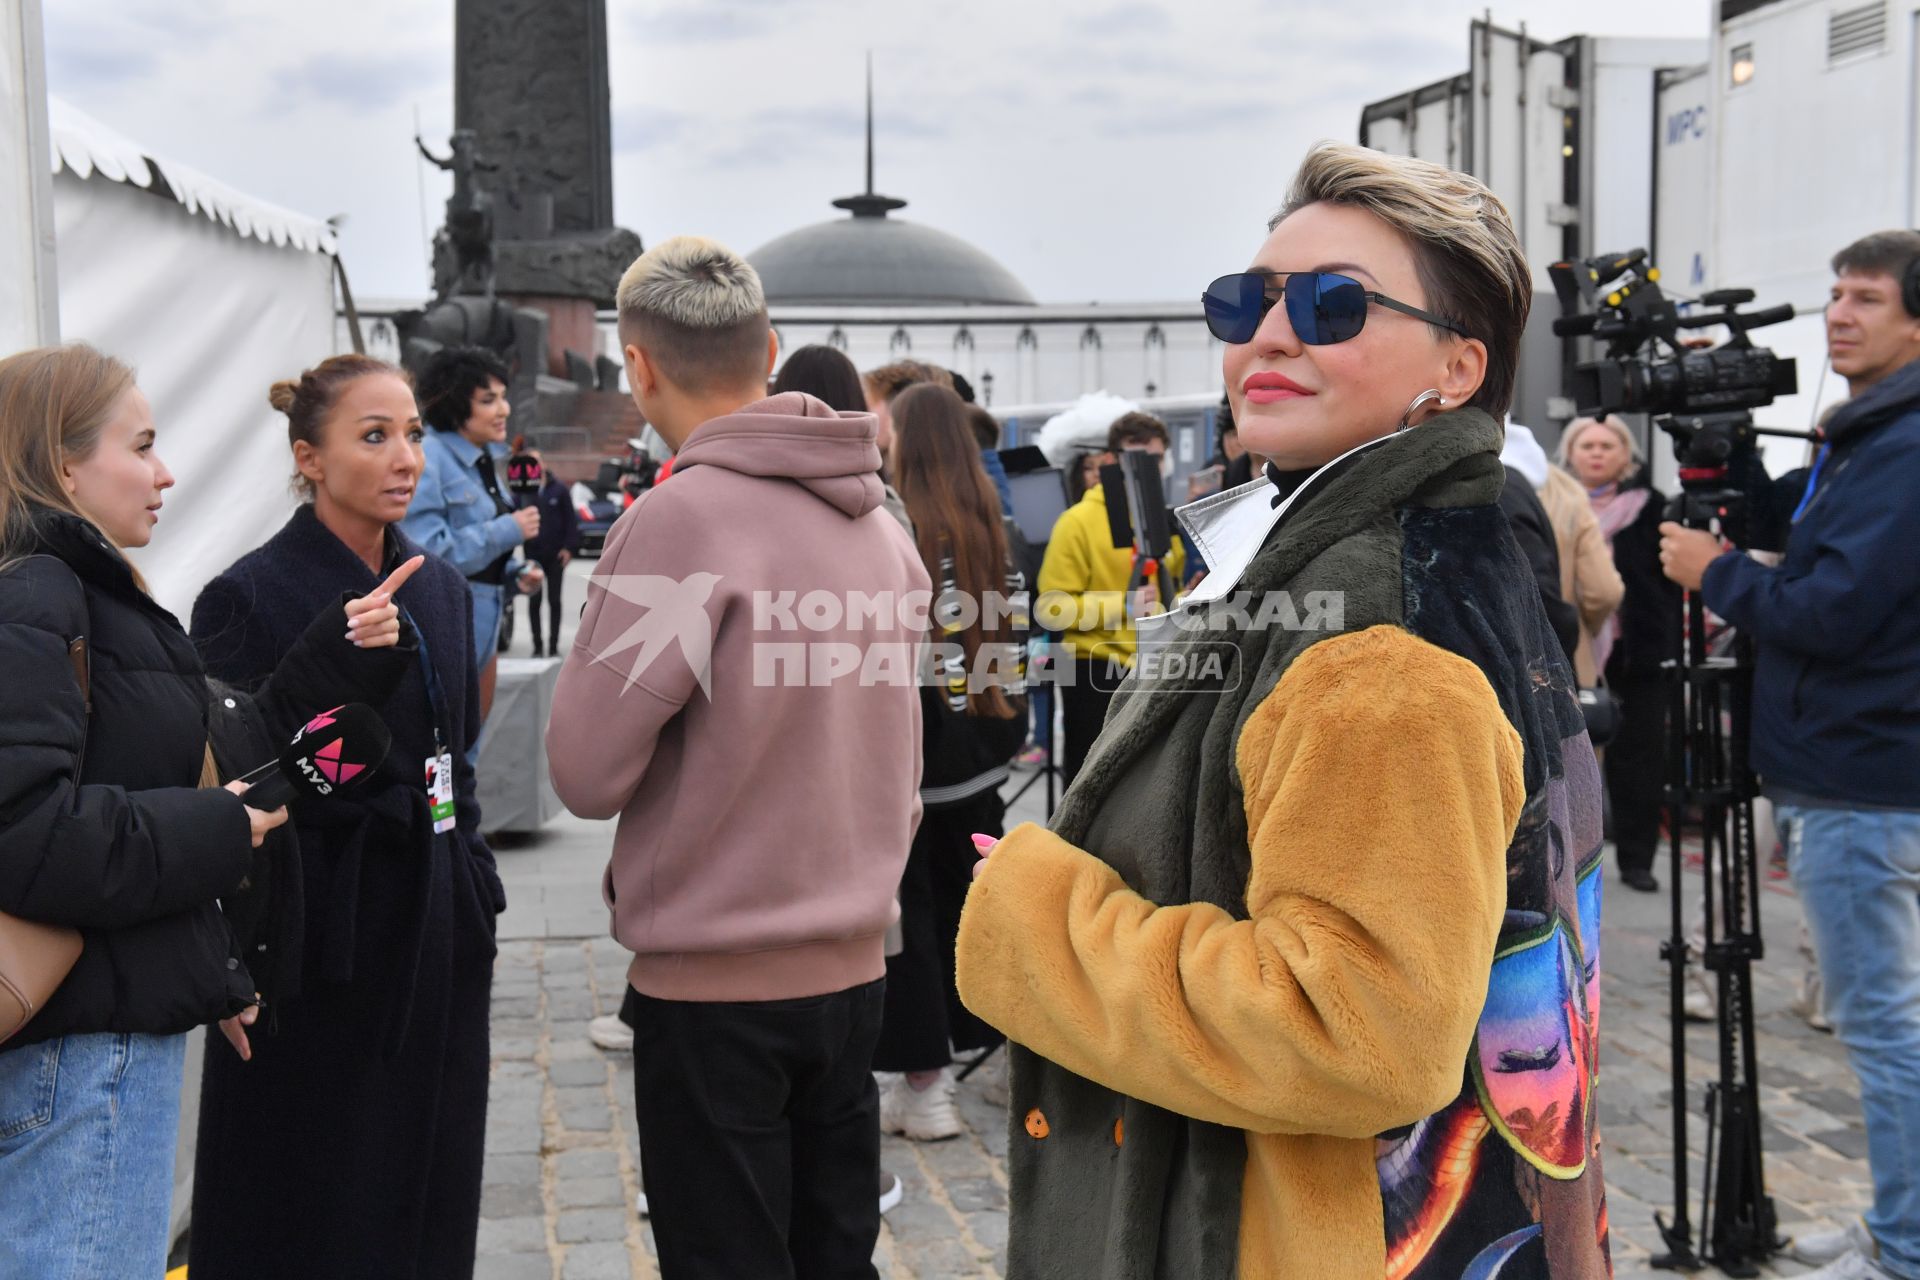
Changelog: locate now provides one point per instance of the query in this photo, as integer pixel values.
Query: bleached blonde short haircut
(1465, 250)
(697, 308)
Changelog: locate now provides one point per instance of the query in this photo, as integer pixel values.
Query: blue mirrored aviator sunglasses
(1323, 307)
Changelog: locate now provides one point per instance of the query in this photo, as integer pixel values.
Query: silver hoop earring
(1430, 394)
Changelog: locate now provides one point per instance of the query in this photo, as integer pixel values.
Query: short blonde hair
(1563, 452)
(698, 310)
(1465, 250)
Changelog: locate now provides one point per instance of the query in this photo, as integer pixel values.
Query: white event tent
(212, 295)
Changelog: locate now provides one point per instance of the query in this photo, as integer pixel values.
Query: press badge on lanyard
(439, 765)
(440, 788)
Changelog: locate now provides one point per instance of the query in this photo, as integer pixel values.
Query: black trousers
(1083, 710)
(925, 1021)
(760, 1135)
(1637, 769)
(550, 591)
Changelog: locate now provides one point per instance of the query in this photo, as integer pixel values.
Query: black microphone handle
(255, 776)
(270, 792)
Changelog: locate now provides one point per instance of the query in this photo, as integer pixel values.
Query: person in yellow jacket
(1083, 581)
(1304, 979)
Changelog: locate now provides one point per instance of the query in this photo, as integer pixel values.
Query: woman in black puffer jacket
(110, 821)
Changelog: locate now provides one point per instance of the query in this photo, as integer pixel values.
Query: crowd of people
(1301, 977)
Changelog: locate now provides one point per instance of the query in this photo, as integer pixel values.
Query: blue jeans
(488, 604)
(87, 1131)
(1858, 872)
(487, 601)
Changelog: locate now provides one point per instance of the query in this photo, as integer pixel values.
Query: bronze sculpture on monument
(529, 252)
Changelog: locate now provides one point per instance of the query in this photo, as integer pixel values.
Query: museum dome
(873, 260)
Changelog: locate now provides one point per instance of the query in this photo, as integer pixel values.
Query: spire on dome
(868, 204)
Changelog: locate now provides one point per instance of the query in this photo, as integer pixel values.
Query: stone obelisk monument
(530, 82)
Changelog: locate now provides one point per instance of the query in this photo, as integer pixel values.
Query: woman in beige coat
(1588, 579)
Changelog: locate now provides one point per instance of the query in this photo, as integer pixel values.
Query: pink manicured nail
(984, 842)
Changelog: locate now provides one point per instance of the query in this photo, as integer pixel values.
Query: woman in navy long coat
(351, 1143)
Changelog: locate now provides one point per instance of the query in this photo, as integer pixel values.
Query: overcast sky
(1102, 150)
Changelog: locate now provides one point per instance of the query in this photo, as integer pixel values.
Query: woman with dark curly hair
(461, 511)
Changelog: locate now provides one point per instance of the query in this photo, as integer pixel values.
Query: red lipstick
(1270, 388)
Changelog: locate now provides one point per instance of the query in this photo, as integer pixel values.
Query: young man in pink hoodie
(742, 695)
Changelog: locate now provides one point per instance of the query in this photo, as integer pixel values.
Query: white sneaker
(1830, 1244)
(891, 1192)
(1700, 1002)
(1851, 1265)
(610, 1033)
(925, 1115)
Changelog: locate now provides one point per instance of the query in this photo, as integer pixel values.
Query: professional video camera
(1617, 299)
(1704, 400)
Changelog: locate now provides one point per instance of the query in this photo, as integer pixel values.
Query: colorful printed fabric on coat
(1506, 1181)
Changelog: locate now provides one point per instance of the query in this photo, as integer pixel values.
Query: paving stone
(970, 1195)
(589, 1163)
(511, 1202)
(604, 1261)
(516, 1266)
(1848, 1141)
(581, 1226)
(589, 1193)
(513, 1139)
(1832, 1101)
(524, 1234)
(507, 1170)
(582, 1071)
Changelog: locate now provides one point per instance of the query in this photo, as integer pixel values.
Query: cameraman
(1836, 721)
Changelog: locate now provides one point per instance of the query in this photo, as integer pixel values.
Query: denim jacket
(451, 515)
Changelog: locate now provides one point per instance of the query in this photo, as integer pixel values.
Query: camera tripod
(1710, 717)
(1710, 703)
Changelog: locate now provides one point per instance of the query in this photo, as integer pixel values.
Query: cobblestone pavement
(562, 1165)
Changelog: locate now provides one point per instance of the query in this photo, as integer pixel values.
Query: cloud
(642, 126)
(829, 132)
(363, 81)
(709, 22)
(77, 70)
(1122, 20)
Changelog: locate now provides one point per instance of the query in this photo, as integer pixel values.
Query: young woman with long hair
(111, 817)
(973, 720)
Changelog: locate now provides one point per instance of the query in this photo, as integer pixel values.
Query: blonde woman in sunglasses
(1304, 978)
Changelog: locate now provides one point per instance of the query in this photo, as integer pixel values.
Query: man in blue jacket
(1836, 722)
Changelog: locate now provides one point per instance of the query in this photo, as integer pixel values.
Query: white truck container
(1814, 132)
(1741, 161)
(1563, 133)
